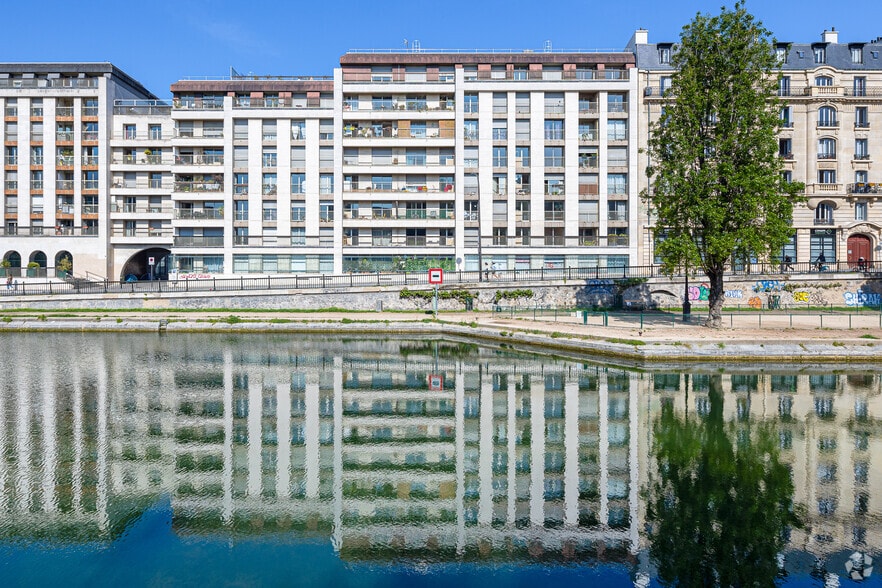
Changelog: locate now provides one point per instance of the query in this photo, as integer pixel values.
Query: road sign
(436, 382)
(151, 261)
(436, 275)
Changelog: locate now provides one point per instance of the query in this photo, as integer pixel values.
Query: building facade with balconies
(56, 133)
(831, 110)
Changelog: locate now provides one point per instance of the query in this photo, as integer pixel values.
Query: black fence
(77, 285)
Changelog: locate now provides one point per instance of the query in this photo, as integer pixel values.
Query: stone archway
(137, 267)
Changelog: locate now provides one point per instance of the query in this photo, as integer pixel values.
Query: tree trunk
(715, 298)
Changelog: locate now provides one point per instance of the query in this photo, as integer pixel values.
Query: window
(500, 184)
(500, 156)
(827, 176)
(500, 99)
(130, 132)
(554, 130)
(617, 210)
(298, 236)
(860, 149)
(554, 157)
(784, 86)
(470, 130)
(786, 117)
(298, 183)
(820, 53)
(823, 81)
(554, 185)
(470, 103)
(860, 86)
(617, 183)
(522, 156)
(381, 183)
(785, 148)
(270, 211)
(269, 184)
(241, 210)
(326, 212)
(860, 211)
(326, 184)
(270, 158)
(470, 157)
(664, 54)
(827, 117)
(522, 130)
(554, 211)
(554, 103)
(500, 129)
(781, 53)
(824, 214)
(381, 237)
(861, 118)
(826, 148)
(616, 130)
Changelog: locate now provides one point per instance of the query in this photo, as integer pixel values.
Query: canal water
(269, 460)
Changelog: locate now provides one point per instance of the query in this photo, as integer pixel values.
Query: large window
(554, 157)
(824, 214)
(554, 130)
(826, 148)
(860, 149)
(827, 117)
(470, 103)
(823, 241)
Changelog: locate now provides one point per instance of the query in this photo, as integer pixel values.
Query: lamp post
(687, 306)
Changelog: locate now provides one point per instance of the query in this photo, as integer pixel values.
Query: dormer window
(781, 53)
(820, 53)
(857, 53)
(664, 54)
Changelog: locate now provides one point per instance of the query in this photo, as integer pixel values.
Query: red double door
(859, 246)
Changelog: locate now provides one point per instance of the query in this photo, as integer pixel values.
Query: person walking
(9, 282)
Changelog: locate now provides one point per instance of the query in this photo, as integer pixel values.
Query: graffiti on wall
(801, 296)
(755, 302)
(734, 294)
(862, 298)
(767, 286)
(699, 292)
(600, 286)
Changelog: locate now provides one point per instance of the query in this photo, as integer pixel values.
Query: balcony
(198, 186)
(199, 213)
(554, 216)
(617, 215)
(198, 241)
(64, 136)
(64, 185)
(861, 156)
(90, 184)
(588, 161)
(864, 188)
(64, 112)
(10, 185)
(828, 124)
(64, 161)
(210, 159)
(824, 221)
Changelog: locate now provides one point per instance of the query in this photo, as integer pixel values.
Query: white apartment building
(829, 137)
(55, 175)
(400, 160)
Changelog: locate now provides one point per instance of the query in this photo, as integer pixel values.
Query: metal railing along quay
(207, 283)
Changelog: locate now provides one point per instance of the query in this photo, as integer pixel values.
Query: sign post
(151, 261)
(436, 277)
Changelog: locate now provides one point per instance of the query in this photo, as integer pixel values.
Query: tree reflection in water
(720, 501)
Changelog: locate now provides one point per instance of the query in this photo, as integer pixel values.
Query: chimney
(641, 37)
(830, 36)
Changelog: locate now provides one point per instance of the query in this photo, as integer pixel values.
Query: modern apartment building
(831, 113)
(400, 160)
(56, 132)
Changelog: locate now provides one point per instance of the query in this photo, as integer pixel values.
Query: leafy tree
(716, 182)
(720, 500)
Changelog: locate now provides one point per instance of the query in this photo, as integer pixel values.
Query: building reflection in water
(399, 449)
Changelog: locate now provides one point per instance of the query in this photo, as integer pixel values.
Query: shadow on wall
(602, 293)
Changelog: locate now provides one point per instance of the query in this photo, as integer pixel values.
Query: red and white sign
(436, 275)
(436, 382)
(151, 261)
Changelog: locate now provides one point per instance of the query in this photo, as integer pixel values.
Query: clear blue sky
(160, 41)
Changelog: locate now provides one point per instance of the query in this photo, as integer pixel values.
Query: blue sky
(161, 41)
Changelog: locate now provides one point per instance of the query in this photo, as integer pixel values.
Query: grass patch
(838, 344)
(627, 341)
(868, 336)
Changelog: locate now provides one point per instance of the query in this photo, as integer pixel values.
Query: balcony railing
(198, 241)
(198, 186)
(213, 159)
(90, 184)
(199, 213)
(828, 124)
(823, 221)
(864, 188)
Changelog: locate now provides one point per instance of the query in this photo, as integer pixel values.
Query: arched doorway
(138, 265)
(860, 251)
(12, 263)
(63, 264)
(37, 265)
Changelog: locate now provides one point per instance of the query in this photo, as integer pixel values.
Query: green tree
(715, 176)
(720, 500)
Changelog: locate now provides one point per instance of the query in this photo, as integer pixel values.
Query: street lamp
(687, 306)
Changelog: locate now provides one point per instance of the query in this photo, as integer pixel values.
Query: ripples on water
(199, 459)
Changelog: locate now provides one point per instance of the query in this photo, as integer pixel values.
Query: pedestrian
(9, 283)
(486, 271)
(821, 261)
(788, 265)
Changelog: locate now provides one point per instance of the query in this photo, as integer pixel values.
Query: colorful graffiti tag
(755, 302)
(699, 292)
(801, 296)
(734, 294)
(862, 299)
(767, 286)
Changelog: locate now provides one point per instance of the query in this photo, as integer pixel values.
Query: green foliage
(427, 295)
(716, 183)
(514, 295)
(232, 319)
(33, 264)
(721, 499)
(64, 265)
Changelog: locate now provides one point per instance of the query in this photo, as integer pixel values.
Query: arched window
(827, 117)
(824, 214)
(823, 81)
(826, 148)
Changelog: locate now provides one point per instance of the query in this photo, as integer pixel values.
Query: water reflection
(409, 453)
